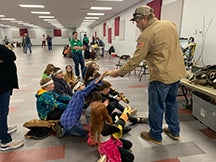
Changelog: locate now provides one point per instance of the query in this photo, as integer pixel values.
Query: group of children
(62, 97)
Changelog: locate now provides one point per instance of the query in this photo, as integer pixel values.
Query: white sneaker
(12, 129)
(14, 144)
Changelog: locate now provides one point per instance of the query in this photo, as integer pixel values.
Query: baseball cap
(142, 11)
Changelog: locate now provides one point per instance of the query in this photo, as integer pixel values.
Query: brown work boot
(167, 132)
(145, 135)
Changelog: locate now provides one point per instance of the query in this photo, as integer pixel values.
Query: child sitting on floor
(114, 107)
(70, 119)
(106, 134)
(50, 105)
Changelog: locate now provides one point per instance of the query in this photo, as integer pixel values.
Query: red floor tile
(184, 111)
(180, 97)
(169, 160)
(138, 86)
(34, 155)
(12, 109)
(208, 132)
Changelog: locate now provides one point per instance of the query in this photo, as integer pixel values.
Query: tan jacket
(159, 45)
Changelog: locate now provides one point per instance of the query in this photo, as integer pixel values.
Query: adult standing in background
(8, 82)
(86, 41)
(86, 44)
(43, 45)
(93, 40)
(101, 44)
(159, 45)
(49, 42)
(76, 50)
(5, 40)
(27, 42)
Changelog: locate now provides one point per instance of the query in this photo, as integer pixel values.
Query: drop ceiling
(69, 13)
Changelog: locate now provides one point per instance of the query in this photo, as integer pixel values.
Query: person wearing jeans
(76, 50)
(8, 82)
(158, 94)
(159, 45)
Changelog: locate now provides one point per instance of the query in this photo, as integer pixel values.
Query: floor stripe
(12, 109)
(34, 155)
(208, 132)
(169, 160)
(138, 86)
(184, 111)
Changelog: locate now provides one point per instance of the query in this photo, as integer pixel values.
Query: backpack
(111, 50)
(39, 129)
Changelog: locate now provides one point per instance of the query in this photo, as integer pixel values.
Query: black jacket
(8, 70)
(61, 87)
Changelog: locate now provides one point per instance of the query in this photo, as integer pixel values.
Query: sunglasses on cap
(137, 15)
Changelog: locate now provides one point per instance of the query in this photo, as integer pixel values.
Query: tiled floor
(197, 143)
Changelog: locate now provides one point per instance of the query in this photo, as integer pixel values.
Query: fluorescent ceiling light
(51, 20)
(95, 14)
(10, 19)
(101, 8)
(16, 21)
(2, 15)
(46, 17)
(111, 0)
(89, 20)
(31, 6)
(54, 23)
(59, 26)
(2, 25)
(92, 18)
(39, 12)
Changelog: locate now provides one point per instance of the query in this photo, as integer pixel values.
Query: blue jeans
(162, 98)
(78, 59)
(77, 131)
(28, 46)
(49, 44)
(4, 109)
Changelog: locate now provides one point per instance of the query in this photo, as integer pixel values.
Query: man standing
(49, 42)
(76, 50)
(28, 43)
(159, 45)
(101, 45)
(5, 40)
(86, 41)
(8, 82)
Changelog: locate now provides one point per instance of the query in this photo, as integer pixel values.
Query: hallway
(197, 142)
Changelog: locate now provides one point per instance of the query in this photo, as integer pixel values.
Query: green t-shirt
(73, 43)
(86, 40)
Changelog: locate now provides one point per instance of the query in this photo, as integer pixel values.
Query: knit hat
(45, 82)
(142, 11)
(76, 86)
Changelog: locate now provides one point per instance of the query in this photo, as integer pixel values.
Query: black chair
(143, 67)
(122, 60)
